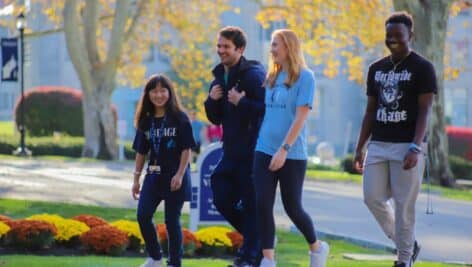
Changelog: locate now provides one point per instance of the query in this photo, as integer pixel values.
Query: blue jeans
(149, 199)
(234, 197)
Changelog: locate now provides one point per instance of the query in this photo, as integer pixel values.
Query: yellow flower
(214, 236)
(4, 228)
(130, 228)
(66, 228)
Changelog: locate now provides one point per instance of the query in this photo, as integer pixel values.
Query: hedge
(58, 146)
(49, 109)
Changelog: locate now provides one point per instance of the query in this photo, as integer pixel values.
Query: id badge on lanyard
(156, 139)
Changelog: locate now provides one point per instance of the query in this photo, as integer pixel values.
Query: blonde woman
(281, 150)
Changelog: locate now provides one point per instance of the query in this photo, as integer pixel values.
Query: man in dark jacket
(236, 100)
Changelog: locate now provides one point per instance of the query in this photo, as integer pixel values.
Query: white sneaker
(150, 262)
(319, 257)
(267, 263)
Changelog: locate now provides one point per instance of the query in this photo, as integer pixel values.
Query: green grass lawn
(338, 176)
(7, 128)
(291, 249)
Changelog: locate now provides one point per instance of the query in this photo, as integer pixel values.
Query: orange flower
(105, 239)
(236, 239)
(90, 220)
(31, 234)
(189, 237)
(161, 231)
(24, 229)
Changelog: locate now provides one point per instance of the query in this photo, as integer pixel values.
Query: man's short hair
(402, 17)
(235, 35)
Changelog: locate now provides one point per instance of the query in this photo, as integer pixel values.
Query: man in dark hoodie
(236, 100)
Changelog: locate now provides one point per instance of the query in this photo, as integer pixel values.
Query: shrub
(214, 240)
(136, 240)
(61, 146)
(51, 108)
(460, 141)
(322, 167)
(90, 220)
(105, 239)
(68, 231)
(31, 234)
(461, 168)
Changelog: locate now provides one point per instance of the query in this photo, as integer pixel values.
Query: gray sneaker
(267, 263)
(318, 258)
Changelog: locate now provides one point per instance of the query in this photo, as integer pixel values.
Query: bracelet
(414, 148)
(136, 173)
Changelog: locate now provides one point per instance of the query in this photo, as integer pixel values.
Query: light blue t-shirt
(281, 107)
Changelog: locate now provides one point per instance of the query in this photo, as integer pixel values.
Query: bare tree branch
(139, 10)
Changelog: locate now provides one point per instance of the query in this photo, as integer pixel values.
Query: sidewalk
(336, 208)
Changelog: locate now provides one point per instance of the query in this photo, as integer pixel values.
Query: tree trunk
(96, 76)
(99, 127)
(430, 28)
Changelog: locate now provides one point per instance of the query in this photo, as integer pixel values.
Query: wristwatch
(286, 147)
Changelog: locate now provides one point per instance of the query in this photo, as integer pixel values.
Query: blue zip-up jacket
(241, 123)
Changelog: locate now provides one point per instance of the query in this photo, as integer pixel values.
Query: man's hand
(216, 92)
(234, 96)
(176, 182)
(135, 190)
(358, 161)
(410, 160)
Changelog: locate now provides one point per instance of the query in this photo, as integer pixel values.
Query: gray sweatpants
(385, 179)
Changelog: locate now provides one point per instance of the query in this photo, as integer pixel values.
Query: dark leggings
(291, 177)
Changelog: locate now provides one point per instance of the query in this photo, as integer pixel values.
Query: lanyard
(156, 135)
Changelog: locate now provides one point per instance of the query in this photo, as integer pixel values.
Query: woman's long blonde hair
(295, 58)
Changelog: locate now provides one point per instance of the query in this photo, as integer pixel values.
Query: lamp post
(22, 150)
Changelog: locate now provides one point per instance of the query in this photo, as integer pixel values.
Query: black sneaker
(237, 262)
(241, 263)
(416, 251)
(399, 264)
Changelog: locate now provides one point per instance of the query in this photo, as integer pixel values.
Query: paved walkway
(335, 207)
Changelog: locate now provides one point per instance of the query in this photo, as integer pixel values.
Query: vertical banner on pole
(9, 59)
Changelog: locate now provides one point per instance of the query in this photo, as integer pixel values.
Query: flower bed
(68, 231)
(90, 234)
